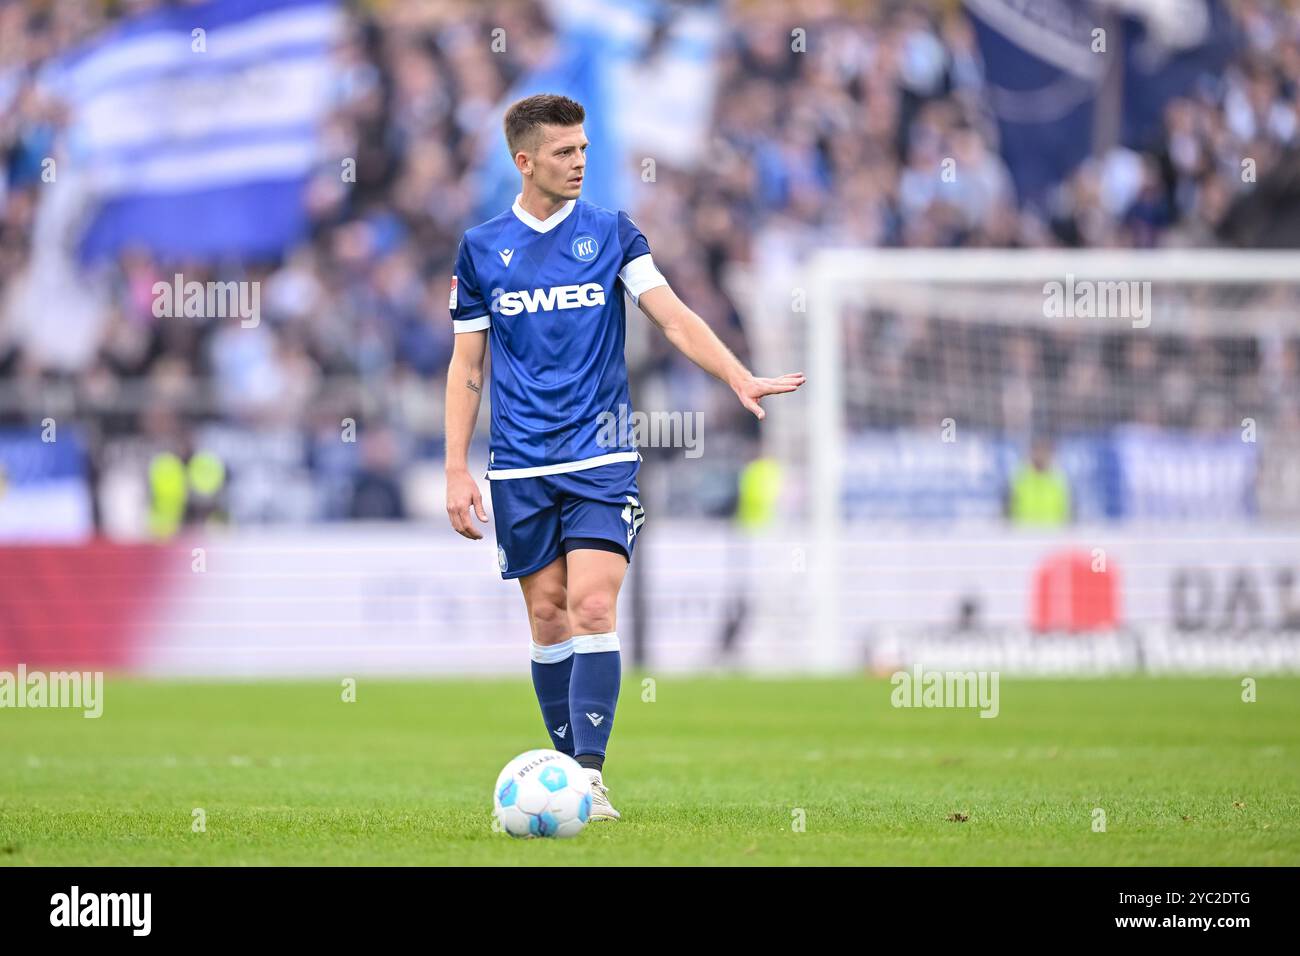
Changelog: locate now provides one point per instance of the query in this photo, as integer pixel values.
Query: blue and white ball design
(542, 793)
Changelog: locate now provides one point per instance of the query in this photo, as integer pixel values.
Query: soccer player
(544, 283)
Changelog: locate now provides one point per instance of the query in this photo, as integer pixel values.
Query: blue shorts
(535, 516)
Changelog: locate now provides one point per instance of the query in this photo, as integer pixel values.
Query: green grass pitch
(712, 771)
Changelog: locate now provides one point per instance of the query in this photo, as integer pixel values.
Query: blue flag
(198, 126)
(1045, 62)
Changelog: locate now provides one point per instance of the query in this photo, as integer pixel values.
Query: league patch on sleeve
(451, 300)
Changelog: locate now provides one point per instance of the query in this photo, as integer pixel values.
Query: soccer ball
(542, 793)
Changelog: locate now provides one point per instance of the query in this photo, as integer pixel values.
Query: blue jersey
(550, 295)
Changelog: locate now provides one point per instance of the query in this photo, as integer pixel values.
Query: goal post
(1191, 295)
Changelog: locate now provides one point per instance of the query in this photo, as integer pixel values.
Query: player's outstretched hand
(462, 495)
(752, 389)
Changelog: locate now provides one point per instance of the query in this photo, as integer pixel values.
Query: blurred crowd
(840, 145)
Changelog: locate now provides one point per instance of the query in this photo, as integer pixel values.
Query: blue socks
(593, 693)
(551, 668)
(577, 684)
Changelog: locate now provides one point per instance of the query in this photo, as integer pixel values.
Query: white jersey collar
(542, 225)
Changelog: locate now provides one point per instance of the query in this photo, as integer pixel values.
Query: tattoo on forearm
(473, 386)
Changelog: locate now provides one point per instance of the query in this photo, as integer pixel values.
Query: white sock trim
(552, 653)
(595, 643)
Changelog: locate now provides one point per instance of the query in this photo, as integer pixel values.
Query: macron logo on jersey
(548, 300)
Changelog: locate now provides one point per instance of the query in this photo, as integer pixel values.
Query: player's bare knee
(592, 613)
(550, 619)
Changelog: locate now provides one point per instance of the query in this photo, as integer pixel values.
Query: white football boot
(600, 805)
